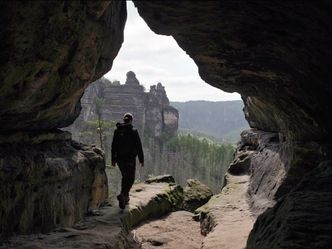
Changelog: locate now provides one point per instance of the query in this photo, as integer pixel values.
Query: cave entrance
(189, 128)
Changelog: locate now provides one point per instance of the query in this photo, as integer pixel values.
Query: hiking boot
(122, 201)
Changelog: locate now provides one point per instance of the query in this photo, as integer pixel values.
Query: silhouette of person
(126, 145)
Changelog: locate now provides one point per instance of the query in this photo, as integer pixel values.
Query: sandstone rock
(152, 112)
(258, 57)
(226, 220)
(305, 211)
(241, 163)
(50, 52)
(161, 198)
(261, 155)
(47, 181)
(277, 55)
(162, 178)
(131, 79)
(110, 228)
(196, 194)
(176, 230)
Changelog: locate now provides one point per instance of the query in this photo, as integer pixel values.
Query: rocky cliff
(276, 54)
(153, 115)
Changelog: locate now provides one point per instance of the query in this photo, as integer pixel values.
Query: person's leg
(128, 178)
(121, 198)
(123, 170)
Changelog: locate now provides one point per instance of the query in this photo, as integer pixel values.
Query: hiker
(126, 145)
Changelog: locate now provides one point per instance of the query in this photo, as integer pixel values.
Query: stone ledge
(48, 184)
(226, 219)
(109, 226)
(33, 137)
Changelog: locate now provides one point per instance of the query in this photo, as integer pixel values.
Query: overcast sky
(157, 58)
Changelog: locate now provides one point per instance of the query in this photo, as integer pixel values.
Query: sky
(157, 58)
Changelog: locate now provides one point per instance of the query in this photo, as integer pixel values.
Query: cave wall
(50, 51)
(276, 55)
(48, 180)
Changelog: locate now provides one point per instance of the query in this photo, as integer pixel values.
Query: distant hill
(223, 120)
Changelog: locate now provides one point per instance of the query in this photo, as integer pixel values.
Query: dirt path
(176, 230)
(226, 216)
(106, 228)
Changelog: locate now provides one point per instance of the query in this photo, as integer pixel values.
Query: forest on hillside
(203, 148)
(222, 120)
(185, 157)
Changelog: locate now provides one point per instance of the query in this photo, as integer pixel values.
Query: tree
(99, 102)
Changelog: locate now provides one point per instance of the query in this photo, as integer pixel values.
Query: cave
(275, 54)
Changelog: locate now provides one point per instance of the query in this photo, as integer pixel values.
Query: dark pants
(127, 169)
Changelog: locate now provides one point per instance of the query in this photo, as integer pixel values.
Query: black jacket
(126, 144)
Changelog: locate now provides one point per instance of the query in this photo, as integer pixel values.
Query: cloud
(157, 58)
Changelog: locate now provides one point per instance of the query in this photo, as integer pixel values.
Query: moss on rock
(196, 194)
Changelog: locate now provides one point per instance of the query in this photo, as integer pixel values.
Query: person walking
(126, 146)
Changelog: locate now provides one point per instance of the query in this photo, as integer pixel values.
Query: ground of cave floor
(225, 222)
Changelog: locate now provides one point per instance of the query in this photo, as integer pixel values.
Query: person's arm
(114, 148)
(139, 149)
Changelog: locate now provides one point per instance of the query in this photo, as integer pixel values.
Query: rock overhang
(50, 51)
(274, 54)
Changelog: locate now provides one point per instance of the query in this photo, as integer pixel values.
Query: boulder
(196, 194)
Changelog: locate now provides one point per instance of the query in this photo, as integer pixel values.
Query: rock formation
(50, 51)
(48, 180)
(107, 227)
(226, 219)
(154, 118)
(153, 115)
(196, 194)
(276, 54)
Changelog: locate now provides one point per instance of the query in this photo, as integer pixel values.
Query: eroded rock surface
(305, 211)
(196, 194)
(176, 230)
(226, 219)
(50, 51)
(276, 54)
(262, 156)
(109, 226)
(269, 51)
(48, 180)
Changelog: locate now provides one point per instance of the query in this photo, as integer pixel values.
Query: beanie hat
(127, 117)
